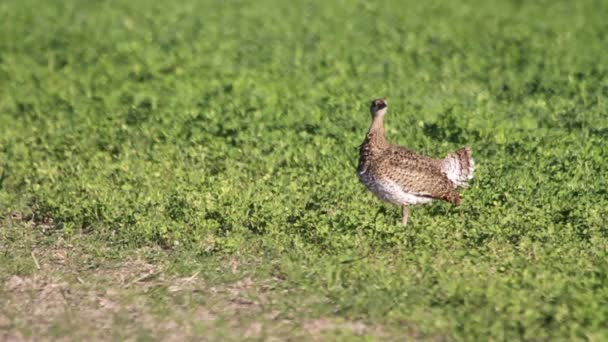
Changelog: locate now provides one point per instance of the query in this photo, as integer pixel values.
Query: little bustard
(403, 177)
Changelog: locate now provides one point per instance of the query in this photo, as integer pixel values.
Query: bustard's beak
(381, 104)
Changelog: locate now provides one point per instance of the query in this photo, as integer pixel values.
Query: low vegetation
(187, 169)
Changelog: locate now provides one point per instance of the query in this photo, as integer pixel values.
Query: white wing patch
(455, 173)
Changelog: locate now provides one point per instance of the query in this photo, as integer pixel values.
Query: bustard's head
(378, 107)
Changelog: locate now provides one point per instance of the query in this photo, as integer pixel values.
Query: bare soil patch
(74, 295)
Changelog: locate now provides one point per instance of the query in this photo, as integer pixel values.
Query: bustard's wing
(417, 174)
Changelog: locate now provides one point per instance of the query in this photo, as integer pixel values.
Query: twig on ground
(193, 276)
(35, 260)
(146, 276)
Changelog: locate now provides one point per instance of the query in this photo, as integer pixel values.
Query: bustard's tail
(459, 167)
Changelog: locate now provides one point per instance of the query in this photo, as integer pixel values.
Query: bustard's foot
(405, 214)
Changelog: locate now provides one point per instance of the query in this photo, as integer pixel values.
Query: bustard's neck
(375, 134)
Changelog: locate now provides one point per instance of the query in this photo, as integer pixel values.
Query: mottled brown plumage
(403, 177)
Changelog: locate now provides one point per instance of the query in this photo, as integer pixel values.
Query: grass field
(186, 170)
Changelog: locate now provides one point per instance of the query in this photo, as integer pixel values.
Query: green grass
(229, 129)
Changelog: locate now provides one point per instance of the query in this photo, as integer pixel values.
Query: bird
(403, 177)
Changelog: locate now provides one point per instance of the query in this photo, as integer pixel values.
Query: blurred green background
(220, 128)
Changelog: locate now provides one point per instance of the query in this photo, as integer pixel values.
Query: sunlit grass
(215, 128)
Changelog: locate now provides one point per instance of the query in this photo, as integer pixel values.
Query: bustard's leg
(404, 219)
